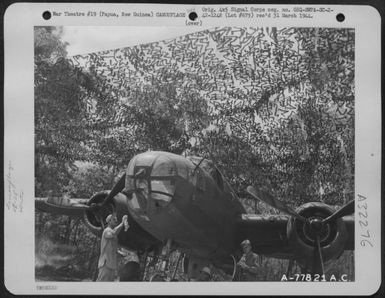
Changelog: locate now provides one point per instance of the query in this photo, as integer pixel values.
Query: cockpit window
(151, 181)
(138, 202)
(161, 200)
(141, 186)
(163, 186)
(163, 167)
(134, 202)
(162, 191)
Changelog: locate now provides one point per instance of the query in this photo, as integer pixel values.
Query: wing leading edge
(63, 206)
(268, 234)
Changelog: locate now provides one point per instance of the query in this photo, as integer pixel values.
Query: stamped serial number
(315, 277)
(363, 221)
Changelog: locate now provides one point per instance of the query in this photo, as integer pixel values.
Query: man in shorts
(108, 262)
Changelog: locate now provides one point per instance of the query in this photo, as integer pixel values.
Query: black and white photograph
(235, 149)
(225, 154)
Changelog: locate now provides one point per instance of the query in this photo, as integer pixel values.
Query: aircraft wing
(273, 236)
(267, 233)
(61, 205)
(94, 213)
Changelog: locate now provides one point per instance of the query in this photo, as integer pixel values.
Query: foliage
(62, 95)
(59, 113)
(89, 178)
(64, 249)
(273, 107)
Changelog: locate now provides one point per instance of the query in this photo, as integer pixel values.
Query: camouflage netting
(274, 105)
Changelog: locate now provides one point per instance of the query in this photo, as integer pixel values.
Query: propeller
(343, 211)
(118, 187)
(62, 205)
(273, 202)
(315, 225)
(99, 209)
(318, 265)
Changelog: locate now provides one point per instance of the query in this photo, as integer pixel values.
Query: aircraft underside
(185, 204)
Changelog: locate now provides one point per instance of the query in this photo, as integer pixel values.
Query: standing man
(108, 262)
(248, 264)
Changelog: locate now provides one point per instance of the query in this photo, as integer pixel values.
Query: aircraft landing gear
(130, 272)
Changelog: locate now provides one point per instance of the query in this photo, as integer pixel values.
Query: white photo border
(19, 254)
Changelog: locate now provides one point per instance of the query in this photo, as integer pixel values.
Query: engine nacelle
(135, 238)
(94, 218)
(332, 236)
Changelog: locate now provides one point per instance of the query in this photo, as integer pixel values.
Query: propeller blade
(273, 202)
(343, 211)
(62, 205)
(318, 265)
(118, 187)
(100, 219)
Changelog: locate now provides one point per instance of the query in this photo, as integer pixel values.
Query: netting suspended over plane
(238, 66)
(291, 87)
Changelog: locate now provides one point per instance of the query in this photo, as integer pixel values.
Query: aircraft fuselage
(172, 198)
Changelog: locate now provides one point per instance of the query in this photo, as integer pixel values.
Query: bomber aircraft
(185, 203)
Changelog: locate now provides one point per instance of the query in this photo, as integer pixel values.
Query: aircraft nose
(150, 182)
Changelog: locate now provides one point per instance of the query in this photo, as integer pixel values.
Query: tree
(271, 106)
(61, 103)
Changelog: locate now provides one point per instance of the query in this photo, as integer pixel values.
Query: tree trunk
(68, 231)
